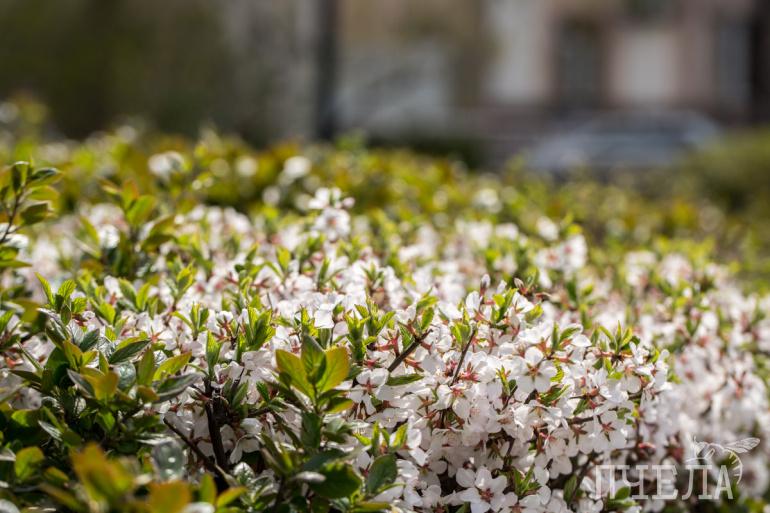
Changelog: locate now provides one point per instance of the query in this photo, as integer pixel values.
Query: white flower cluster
(510, 394)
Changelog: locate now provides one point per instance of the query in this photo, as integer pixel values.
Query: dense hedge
(712, 204)
(202, 327)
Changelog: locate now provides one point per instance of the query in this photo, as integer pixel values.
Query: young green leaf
(28, 460)
(382, 473)
(337, 368)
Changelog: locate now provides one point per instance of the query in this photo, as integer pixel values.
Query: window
(579, 65)
(650, 10)
(733, 64)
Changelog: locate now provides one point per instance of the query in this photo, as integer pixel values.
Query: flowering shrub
(162, 355)
(685, 210)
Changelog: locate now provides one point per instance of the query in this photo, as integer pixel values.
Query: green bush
(199, 326)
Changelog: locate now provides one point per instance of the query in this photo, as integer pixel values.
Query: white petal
(483, 478)
(465, 477)
(533, 356)
(479, 507)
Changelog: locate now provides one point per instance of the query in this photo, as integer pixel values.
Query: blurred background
(643, 121)
(572, 82)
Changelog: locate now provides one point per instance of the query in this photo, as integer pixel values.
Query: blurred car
(624, 141)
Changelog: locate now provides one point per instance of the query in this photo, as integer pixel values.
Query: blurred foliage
(735, 176)
(713, 203)
(175, 62)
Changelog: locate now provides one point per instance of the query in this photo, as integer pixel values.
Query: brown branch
(210, 465)
(409, 350)
(462, 357)
(216, 436)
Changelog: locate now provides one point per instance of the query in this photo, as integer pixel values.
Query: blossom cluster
(494, 368)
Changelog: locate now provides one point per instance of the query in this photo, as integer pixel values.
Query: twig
(210, 465)
(279, 493)
(11, 216)
(216, 436)
(442, 419)
(462, 357)
(409, 350)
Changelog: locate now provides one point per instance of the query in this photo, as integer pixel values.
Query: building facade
(509, 70)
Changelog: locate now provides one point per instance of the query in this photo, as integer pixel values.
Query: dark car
(623, 141)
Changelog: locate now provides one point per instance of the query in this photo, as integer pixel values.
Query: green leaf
(259, 329)
(102, 478)
(66, 289)
(52, 431)
(337, 369)
(338, 404)
(35, 213)
(625, 492)
(146, 367)
(5, 319)
(68, 437)
(140, 210)
(213, 348)
(404, 379)
(341, 481)
(229, 496)
(106, 420)
(104, 385)
(46, 288)
(284, 258)
(27, 418)
(621, 501)
(44, 175)
(534, 314)
(310, 434)
(19, 172)
(371, 507)
(28, 376)
(398, 440)
(169, 497)
(382, 473)
(147, 394)
(90, 230)
(89, 340)
(174, 386)
(55, 476)
(207, 490)
(127, 349)
(313, 359)
(172, 366)
(81, 382)
(570, 488)
(142, 295)
(27, 462)
(291, 366)
(56, 331)
(127, 289)
(13, 264)
(106, 311)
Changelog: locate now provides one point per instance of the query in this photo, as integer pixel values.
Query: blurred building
(493, 73)
(503, 72)
(566, 54)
